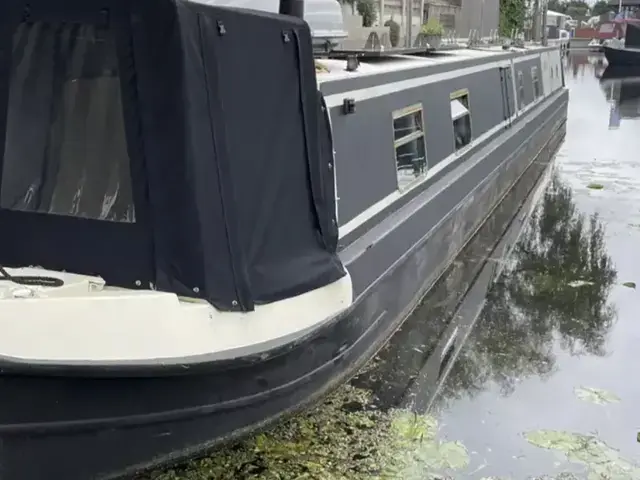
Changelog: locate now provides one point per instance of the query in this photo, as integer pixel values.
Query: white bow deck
(87, 321)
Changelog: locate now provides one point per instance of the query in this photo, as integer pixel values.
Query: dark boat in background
(627, 54)
(208, 224)
(625, 74)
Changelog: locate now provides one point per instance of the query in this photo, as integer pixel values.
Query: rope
(30, 280)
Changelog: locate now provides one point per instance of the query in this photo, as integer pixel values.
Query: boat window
(536, 83)
(520, 90)
(409, 144)
(461, 118)
(65, 150)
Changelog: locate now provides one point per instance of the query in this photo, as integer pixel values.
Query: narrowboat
(146, 315)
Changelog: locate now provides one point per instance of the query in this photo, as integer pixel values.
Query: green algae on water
(595, 186)
(601, 461)
(345, 438)
(629, 284)
(417, 452)
(596, 395)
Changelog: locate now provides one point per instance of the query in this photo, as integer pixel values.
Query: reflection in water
(408, 372)
(580, 63)
(554, 291)
(621, 87)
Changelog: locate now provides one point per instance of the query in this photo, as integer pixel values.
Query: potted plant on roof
(431, 32)
(394, 31)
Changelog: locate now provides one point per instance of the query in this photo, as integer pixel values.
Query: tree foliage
(600, 7)
(512, 16)
(575, 8)
(394, 31)
(367, 9)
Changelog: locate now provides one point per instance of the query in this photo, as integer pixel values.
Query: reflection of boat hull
(414, 365)
(629, 57)
(579, 43)
(626, 73)
(421, 393)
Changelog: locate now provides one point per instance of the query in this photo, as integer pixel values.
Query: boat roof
(335, 69)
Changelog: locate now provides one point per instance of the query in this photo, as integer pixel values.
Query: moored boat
(205, 234)
(625, 54)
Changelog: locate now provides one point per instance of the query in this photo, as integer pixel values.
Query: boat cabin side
(400, 125)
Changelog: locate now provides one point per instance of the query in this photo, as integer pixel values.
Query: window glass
(65, 150)
(520, 90)
(409, 144)
(411, 161)
(461, 118)
(405, 124)
(536, 83)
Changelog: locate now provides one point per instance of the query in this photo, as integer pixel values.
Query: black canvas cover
(632, 37)
(167, 144)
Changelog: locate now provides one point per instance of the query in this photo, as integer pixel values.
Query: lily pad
(415, 453)
(453, 455)
(601, 460)
(595, 186)
(629, 284)
(410, 427)
(596, 395)
(552, 439)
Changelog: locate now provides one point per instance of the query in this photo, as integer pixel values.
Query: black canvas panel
(270, 141)
(632, 38)
(116, 251)
(161, 76)
(326, 169)
(67, 187)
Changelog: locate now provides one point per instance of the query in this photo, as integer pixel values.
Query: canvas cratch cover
(632, 36)
(165, 143)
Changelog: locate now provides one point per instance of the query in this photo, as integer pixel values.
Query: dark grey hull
(622, 57)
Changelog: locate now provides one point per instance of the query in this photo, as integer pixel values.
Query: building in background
(460, 16)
